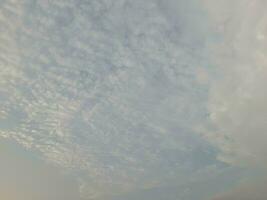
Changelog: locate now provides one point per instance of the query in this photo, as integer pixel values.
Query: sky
(25, 176)
(123, 99)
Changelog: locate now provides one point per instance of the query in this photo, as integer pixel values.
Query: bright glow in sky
(133, 99)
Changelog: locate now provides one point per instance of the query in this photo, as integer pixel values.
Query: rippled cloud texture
(137, 99)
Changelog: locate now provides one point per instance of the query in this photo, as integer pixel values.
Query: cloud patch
(237, 96)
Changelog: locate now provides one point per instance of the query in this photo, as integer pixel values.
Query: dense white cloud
(237, 98)
(237, 103)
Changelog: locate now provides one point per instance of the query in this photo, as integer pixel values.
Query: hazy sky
(133, 99)
(24, 176)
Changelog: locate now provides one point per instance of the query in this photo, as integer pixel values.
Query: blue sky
(155, 99)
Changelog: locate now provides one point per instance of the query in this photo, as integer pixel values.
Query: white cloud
(104, 89)
(112, 90)
(237, 98)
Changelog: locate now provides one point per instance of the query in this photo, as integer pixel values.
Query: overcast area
(133, 99)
